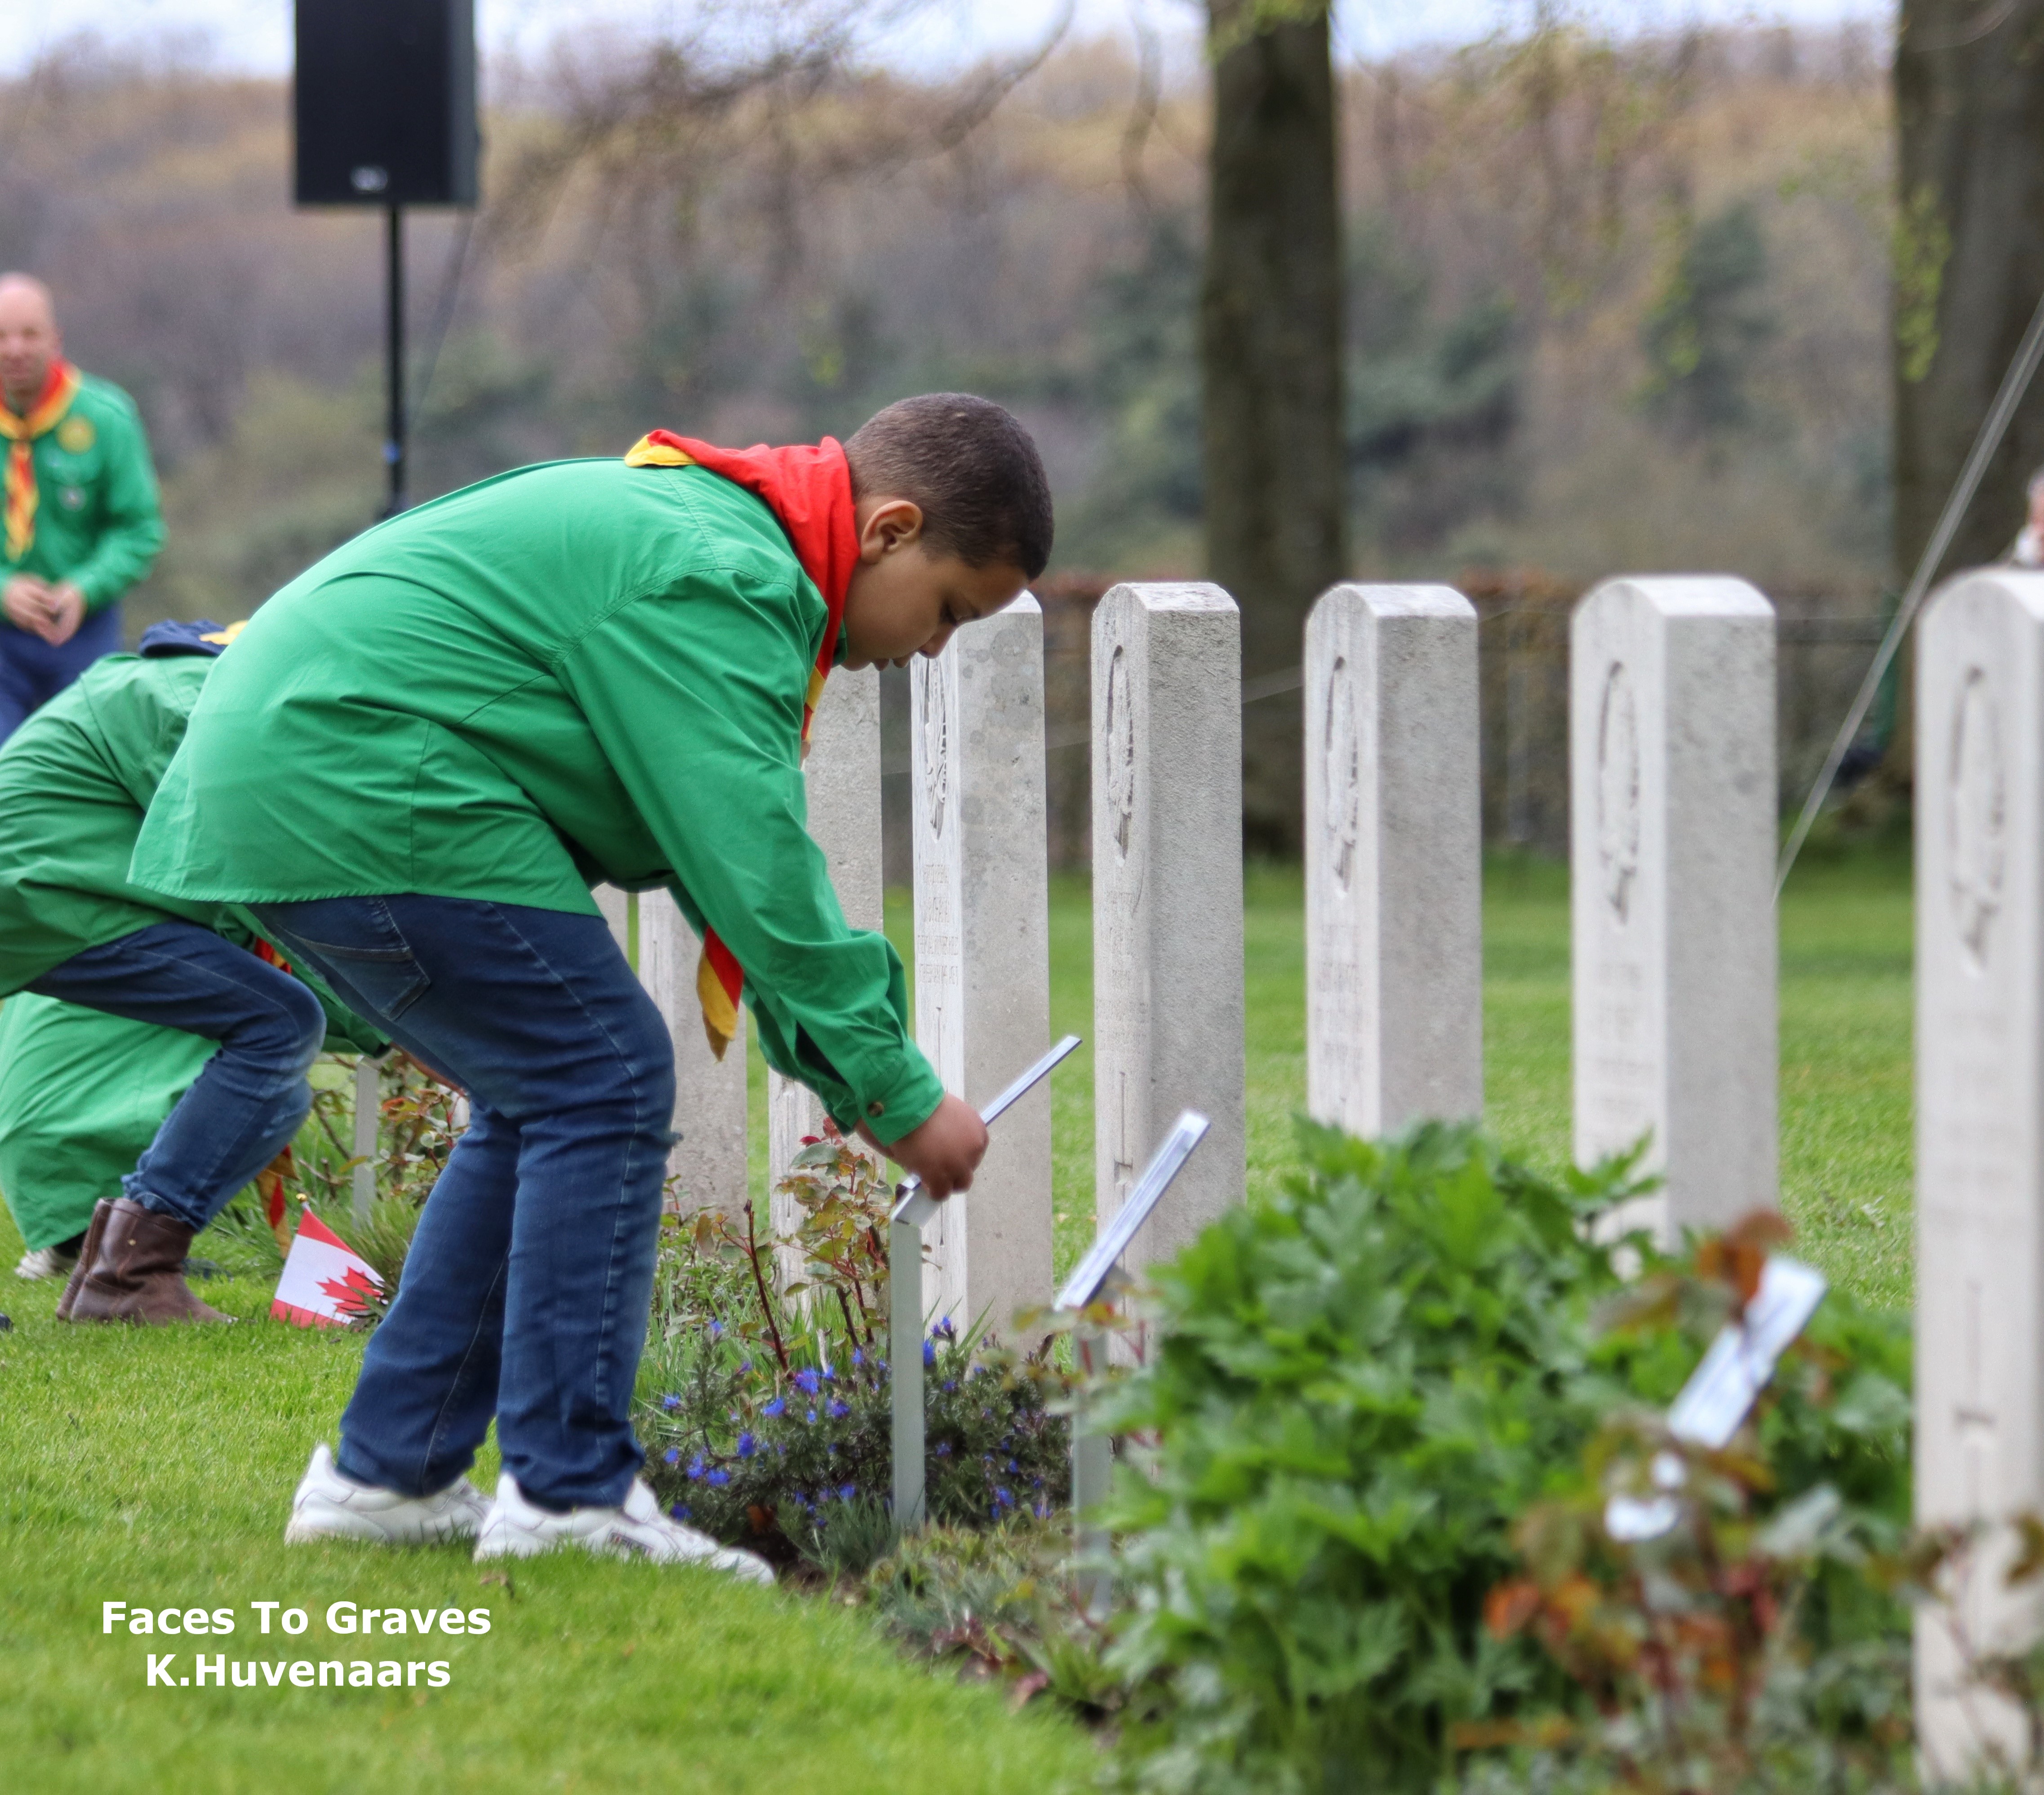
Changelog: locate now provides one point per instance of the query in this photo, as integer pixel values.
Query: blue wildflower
(812, 1417)
(719, 1478)
(679, 1511)
(943, 1448)
(745, 1368)
(748, 1446)
(929, 1352)
(1002, 1499)
(696, 1468)
(671, 1402)
(716, 1329)
(951, 1384)
(807, 1381)
(839, 1410)
(830, 1376)
(846, 1492)
(857, 1357)
(778, 1406)
(673, 1456)
(946, 1329)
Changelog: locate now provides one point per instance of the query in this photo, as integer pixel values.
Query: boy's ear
(886, 524)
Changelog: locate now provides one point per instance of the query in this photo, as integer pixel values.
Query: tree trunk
(1271, 342)
(1969, 273)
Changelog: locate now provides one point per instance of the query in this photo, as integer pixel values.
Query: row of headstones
(1674, 957)
(1674, 960)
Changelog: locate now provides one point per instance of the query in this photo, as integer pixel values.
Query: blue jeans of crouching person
(240, 1112)
(525, 1291)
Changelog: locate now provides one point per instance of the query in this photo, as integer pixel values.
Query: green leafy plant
(1371, 1404)
(1353, 1391)
(1759, 1640)
(1002, 1603)
(767, 1413)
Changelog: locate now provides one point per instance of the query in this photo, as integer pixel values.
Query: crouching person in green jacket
(581, 672)
(74, 781)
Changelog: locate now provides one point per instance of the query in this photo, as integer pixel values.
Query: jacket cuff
(903, 1104)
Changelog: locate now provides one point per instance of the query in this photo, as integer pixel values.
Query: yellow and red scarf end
(647, 453)
(719, 984)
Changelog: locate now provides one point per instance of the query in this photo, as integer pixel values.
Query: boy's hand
(944, 1152)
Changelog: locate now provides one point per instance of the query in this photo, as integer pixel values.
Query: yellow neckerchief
(43, 416)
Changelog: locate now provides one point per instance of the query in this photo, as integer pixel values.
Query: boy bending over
(414, 764)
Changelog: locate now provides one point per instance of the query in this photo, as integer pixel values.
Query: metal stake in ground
(368, 1105)
(1099, 1273)
(913, 1206)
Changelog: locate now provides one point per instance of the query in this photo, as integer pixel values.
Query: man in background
(79, 522)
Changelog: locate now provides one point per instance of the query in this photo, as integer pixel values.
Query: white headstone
(1673, 806)
(1394, 859)
(843, 776)
(983, 947)
(616, 907)
(1167, 898)
(707, 1164)
(1980, 1123)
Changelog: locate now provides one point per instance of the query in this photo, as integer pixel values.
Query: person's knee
(294, 1034)
(631, 1080)
(648, 1051)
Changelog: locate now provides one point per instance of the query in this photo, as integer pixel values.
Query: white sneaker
(45, 1262)
(514, 1529)
(329, 1506)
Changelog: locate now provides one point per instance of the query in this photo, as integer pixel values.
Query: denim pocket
(357, 941)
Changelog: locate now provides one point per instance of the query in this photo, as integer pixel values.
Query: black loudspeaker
(384, 102)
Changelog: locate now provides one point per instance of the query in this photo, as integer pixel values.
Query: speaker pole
(393, 444)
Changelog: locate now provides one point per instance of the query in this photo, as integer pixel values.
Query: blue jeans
(248, 1102)
(33, 673)
(525, 1292)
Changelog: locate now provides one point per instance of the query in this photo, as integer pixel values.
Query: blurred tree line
(1582, 304)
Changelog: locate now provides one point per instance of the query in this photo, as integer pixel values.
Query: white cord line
(2014, 384)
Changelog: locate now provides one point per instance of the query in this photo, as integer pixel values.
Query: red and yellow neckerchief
(808, 489)
(18, 432)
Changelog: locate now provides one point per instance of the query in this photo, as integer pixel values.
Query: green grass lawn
(1846, 1162)
(155, 1468)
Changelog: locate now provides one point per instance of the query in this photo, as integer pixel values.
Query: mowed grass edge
(155, 1469)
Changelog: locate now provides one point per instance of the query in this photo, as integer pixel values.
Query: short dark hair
(971, 468)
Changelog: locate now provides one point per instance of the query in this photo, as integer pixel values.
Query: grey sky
(255, 34)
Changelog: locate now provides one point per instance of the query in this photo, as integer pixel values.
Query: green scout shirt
(574, 673)
(82, 1094)
(96, 524)
(74, 781)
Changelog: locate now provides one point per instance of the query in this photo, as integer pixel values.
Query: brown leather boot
(135, 1275)
(87, 1254)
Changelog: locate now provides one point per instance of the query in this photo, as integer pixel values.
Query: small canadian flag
(325, 1281)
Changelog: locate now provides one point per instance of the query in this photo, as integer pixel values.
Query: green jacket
(575, 673)
(82, 1094)
(97, 523)
(74, 781)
